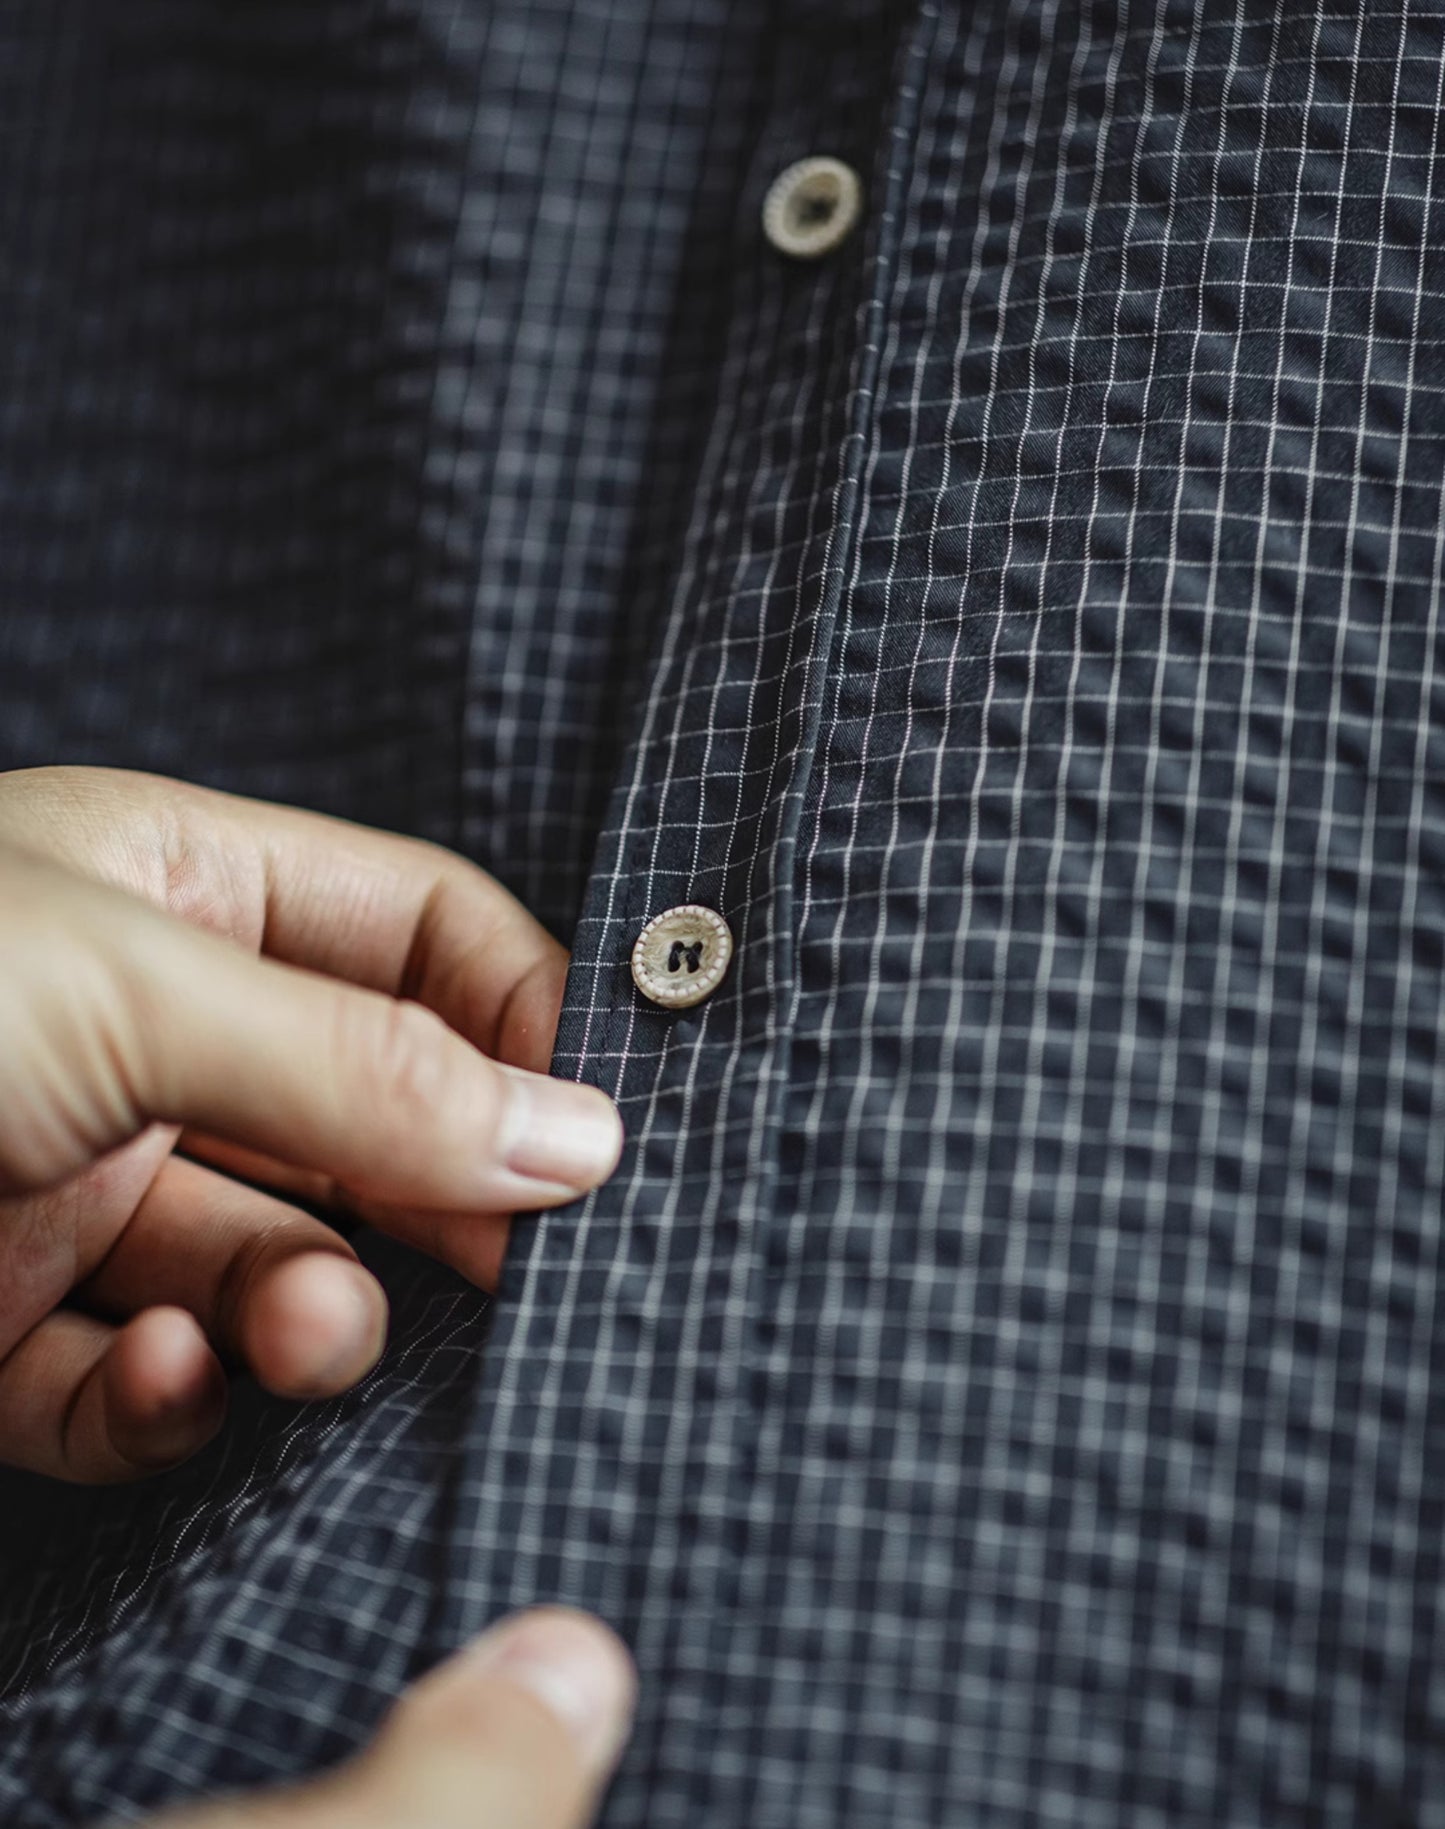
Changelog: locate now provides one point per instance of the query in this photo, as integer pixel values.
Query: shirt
(1002, 1383)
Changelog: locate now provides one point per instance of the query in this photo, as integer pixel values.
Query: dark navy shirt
(1003, 1384)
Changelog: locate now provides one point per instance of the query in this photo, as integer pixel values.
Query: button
(680, 956)
(811, 207)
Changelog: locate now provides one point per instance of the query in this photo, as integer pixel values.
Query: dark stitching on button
(813, 212)
(680, 951)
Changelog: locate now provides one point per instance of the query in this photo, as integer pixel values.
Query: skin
(198, 988)
(519, 1731)
(210, 1007)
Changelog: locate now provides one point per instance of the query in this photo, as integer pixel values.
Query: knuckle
(400, 1052)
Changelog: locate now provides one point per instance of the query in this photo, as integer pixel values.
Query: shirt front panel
(337, 344)
(336, 338)
(1116, 1056)
(997, 1385)
(977, 1394)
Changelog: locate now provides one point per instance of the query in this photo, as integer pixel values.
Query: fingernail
(560, 1132)
(574, 1667)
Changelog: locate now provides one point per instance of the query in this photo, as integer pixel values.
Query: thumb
(518, 1731)
(116, 1015)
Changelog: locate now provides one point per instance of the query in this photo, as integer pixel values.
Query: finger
(49, 1241)
(271, 1286)
(393, 914)
(519, 1731)
(95, 1404)
(313, 1186)
(473, 1244)
(407, 918)
(522, 1729)
(132, 1017)
(381, 1095)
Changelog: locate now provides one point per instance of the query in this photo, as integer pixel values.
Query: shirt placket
(612, 1454)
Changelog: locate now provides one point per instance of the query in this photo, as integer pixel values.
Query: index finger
(393, 914)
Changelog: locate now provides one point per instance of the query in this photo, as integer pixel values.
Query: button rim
(689, 991)
(835, 232)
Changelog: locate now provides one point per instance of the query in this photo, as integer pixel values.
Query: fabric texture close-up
(1003, 1383)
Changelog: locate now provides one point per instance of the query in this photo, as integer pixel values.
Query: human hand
(518, 1731)
(349, 1062)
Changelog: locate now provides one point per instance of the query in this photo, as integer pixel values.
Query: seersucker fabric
(1003, 1383)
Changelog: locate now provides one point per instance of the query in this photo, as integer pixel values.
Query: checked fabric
(1003, 1384)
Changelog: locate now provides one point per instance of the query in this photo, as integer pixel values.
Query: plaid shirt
(1003, 1383)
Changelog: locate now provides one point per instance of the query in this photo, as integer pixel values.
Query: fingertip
(524, 1725)
(571, 1663)
(164, 1389)
(563, 1138)
(314, 1325)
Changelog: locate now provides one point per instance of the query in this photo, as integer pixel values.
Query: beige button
(811, 207)
(680, 956)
